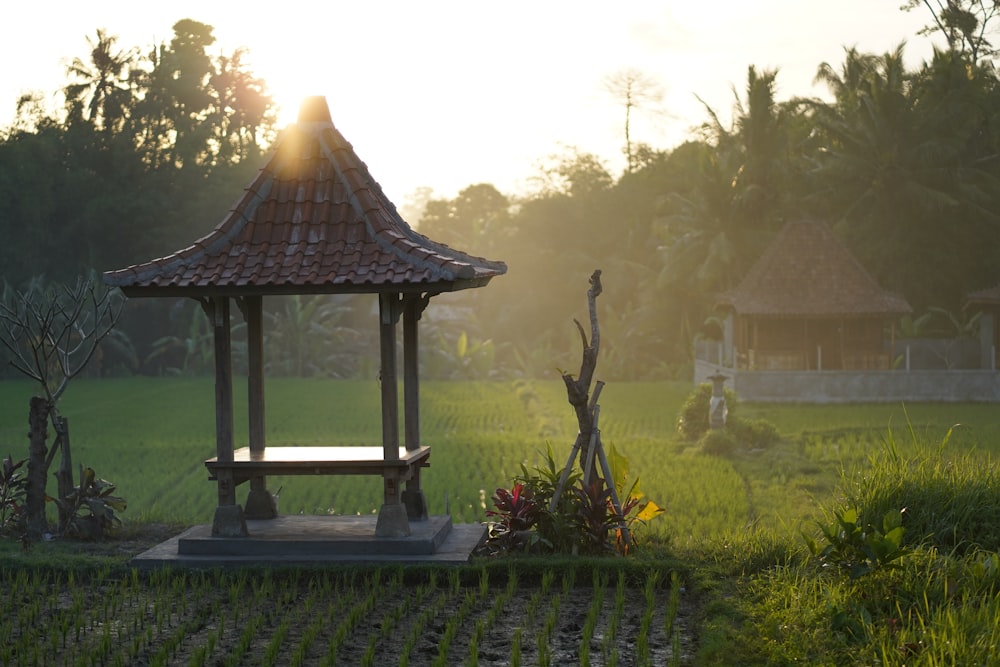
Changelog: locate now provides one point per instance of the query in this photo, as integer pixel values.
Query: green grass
(151, 435)
(734, 520)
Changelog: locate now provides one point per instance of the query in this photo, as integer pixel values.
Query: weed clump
(951, 503)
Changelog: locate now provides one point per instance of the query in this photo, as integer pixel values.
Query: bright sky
(446, 94)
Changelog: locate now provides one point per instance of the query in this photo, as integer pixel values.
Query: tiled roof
(313, 220)
(808, 272)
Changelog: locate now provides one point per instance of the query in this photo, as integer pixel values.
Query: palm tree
(101, 93)
(713, 231)
(896, 170)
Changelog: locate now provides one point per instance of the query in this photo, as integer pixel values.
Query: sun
(288, 96)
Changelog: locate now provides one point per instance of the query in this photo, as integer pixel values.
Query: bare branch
(53, 334)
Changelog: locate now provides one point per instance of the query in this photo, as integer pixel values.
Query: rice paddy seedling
(515, 649)
(274, 646)
(544, 652)
(590, 622)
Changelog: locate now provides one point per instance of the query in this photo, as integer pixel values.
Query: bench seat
(342, 460)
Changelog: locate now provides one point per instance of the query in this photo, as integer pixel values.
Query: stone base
(313, 536)
(317, 541)
(229, 522)
(416, 505)
(260, 505)
(392, 521)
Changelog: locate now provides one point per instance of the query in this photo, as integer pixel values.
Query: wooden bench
(349, 460)
(400, 506)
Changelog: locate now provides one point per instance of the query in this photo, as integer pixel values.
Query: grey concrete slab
(317, 540)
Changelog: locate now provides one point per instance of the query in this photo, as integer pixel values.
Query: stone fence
(898, 385)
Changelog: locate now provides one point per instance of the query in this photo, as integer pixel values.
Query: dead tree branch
(578, 388)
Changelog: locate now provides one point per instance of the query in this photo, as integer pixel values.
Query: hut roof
(312, 221)
(808, 272)
(984, 297)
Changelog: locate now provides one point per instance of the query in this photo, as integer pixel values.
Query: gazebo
(313, 221)
(808, 304)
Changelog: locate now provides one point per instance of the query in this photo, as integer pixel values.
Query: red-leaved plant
(516, 514)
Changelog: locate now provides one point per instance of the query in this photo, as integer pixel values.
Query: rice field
(353, 617)
(151, 436)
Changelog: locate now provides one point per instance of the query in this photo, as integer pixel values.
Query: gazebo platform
(317, 540)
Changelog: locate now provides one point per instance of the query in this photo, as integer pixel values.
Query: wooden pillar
(228, 515)
(413, 497)
(388, 316)
(219, 312)
(260, 503)
(392, 520)
(254, 313)
(411, 372)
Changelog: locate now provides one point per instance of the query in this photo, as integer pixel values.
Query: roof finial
(314, 110)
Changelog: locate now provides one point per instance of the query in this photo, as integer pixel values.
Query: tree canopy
(154, 143)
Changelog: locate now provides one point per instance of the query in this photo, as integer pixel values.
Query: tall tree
(243, 113)
(99, 91)
(634, 91)
(896, 171)
(475, 221)
(963, 23)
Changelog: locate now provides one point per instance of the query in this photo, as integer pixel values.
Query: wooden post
(413, 497)
(228, 520)
(254, 313)
(411, 373)
(260, 503)
(392, 520)
(388, 315)
(223, 385)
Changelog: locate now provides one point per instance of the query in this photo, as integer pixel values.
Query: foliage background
(155, 142)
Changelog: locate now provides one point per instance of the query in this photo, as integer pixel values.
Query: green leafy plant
(555, 528)
(91, 509)
(13, 487)
(584, 518)
(857, 548)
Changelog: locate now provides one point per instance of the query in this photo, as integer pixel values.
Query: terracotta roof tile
(312, 220)
(807, 271)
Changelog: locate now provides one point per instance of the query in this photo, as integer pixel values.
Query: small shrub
(753, 433)
(91, 508)
(718, 442)
(860, 548)
(692, 421)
